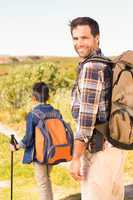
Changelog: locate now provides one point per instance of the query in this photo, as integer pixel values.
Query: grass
(23, 189)
(24, 174)
(24, 182)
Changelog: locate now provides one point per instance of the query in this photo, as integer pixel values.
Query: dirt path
(62, 193)
(4, 184)
(77, 196)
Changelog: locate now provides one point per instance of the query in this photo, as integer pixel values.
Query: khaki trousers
(104, 175)
(42, 173)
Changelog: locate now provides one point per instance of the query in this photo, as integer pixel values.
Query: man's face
(84, 42)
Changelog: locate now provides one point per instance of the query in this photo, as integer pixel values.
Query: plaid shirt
(91, 96)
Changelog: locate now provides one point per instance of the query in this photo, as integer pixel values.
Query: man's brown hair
(80, 21)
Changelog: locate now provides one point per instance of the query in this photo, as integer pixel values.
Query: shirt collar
(97, 52)
(37, 104)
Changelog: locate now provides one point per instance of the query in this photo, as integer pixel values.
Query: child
(39, 98)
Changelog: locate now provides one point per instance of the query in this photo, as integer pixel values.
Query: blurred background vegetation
(16, 80)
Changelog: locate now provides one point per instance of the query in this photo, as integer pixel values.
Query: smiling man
(96, 163)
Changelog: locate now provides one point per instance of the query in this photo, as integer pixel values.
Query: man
(100, 171)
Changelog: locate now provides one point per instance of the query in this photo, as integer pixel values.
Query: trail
(60, 193)
(8, 131)
(4, 130)
(4, 184)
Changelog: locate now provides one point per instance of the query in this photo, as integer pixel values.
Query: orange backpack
(53, 138)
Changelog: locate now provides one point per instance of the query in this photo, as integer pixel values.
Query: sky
(41, 27)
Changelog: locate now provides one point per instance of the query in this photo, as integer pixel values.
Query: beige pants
(43, 181)
(104, 175)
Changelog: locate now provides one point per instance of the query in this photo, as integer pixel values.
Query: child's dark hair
(41, 92)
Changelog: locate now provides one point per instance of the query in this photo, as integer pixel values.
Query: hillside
(17, 75)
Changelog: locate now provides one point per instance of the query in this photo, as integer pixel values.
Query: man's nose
(79, 42)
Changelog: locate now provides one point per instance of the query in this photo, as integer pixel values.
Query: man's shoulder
(93, 65)
(97, 63)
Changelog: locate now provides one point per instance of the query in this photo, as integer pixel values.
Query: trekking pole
(12, 139)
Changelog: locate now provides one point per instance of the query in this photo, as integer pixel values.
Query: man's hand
(75, 169)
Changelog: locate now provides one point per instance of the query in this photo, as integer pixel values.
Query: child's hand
(14, 146)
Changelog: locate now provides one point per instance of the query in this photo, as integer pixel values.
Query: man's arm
(90, 91)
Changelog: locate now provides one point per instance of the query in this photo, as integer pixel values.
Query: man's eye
(84, 38)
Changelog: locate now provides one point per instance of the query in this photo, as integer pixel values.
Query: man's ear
(97, 38)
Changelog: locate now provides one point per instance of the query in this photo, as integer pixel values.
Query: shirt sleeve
(90, 91)
(75, 103)
(28, 139)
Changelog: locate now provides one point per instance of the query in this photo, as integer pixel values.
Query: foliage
(15, 102)
(16, 87)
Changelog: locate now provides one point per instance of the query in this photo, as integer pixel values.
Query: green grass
(22, 75)
(24, 174)
(24, 182)
(23, 189)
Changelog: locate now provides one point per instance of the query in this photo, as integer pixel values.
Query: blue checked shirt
(91, 96)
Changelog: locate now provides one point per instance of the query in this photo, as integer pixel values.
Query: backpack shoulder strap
(101, 59)
(47, 115)
(39, 114)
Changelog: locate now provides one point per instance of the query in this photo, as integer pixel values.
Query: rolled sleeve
(90, 91)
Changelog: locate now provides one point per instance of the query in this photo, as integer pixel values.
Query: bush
(16, 87)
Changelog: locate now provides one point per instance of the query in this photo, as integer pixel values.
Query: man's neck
(95, 52)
